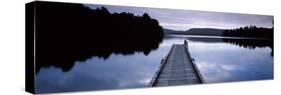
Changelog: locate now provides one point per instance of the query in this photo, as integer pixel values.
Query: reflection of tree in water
(251, 43)
(67, 32)
(251, 31)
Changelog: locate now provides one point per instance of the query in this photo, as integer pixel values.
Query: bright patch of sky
(186, 19)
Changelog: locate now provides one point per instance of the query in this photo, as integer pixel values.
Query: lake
(219, 59)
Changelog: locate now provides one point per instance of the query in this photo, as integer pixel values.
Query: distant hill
(170, 31)
(197, 31)
(204, 31)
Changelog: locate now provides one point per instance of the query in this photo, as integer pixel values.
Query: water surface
(218, 59)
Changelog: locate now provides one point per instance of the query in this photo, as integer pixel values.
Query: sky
(186, 19)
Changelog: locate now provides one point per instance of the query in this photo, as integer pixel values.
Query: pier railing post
(186, 44)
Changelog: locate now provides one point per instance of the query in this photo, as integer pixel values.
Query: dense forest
(250, 31)
(67, 32)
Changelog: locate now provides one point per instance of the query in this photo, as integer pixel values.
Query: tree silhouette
(66, 33)
(250, 31)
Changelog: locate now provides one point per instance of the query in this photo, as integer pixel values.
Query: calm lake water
(218, 59)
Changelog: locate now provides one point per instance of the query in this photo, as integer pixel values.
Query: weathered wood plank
(177, 68)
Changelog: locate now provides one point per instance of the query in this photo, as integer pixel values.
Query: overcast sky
(186, 19)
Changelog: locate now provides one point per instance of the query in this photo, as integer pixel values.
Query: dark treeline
(66, 33)
(250, 31)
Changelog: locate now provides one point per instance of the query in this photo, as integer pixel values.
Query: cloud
(185, 19)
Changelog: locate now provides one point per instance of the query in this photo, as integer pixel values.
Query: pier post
(185, 44)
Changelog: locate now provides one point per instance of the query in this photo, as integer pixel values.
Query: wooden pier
(177, 68)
